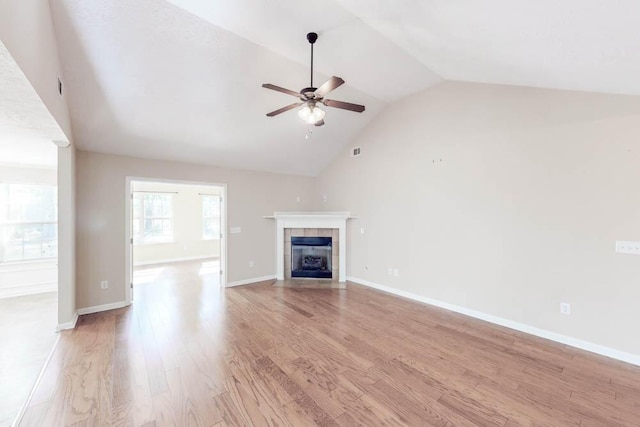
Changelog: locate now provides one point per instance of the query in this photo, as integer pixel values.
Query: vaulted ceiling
(180, 79)
(27, 129)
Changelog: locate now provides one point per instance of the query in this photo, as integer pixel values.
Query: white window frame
(140, 238)
(5, 225)
(205, 218)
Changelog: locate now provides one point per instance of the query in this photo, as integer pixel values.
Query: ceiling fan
(310, 97)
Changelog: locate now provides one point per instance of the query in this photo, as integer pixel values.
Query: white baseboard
(103, 307)
(36, 288)
(553, 336)
(249, 281)
(68, 325)
(167, 261)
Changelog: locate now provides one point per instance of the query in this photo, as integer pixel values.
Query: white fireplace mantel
(312, 220)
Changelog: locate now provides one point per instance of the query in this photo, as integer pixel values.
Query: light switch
(235, 230)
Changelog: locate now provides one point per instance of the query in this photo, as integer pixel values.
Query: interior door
(132, 206)
(213, 231)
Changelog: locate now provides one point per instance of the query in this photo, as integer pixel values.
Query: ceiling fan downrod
(312, 37)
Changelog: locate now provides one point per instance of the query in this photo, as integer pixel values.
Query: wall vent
(59, 87)
(355, 152)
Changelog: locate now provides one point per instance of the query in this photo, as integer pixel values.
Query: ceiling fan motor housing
(312, 37)
(308, 92)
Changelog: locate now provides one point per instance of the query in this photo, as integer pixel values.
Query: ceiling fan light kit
(310, 97)
(311, 114)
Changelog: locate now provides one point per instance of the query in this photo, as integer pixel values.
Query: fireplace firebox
(311, 257)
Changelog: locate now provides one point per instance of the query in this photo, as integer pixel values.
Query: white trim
(68, 325)
(250, 281)
(166, 261)
(156, 242)
(25, 405)
(306, 216)
(28, 264)
(62, 143)
(532, 330)
(103, 307)
(312, 220)
(53, 168)
(32, 289)
(129, 232)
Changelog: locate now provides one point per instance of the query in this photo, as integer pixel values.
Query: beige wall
(67, 198)
(101, 237)
(27, 175)
(503, 200)
(187, 222)
(26, 29)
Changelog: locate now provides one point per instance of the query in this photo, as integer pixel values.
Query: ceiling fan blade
(281, 89)
(319, 123)
(344, 105)
(283, 109)
(328, 86)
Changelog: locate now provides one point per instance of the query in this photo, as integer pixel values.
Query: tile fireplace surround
(315, 223)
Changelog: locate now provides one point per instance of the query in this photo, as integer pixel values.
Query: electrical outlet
(626, 247)
(390, 271)
(396, 272)
(361, 230)
(251, 264)
(324, 198)
(565, 308)
(104, 284)
(298, 199)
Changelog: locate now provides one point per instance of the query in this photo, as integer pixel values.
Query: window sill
(162, 242)
(28, 261)
(206, 239)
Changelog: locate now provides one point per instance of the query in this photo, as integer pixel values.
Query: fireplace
(311, 257)
(311, 224)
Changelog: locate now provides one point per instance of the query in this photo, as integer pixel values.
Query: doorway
(174, 226)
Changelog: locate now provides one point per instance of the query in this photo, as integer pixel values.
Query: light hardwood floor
(190, 353)
(27, 336)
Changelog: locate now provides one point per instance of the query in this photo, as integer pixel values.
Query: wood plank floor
(27, 336)
(190, 353)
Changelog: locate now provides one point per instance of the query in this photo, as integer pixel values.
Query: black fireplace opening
(311, 257)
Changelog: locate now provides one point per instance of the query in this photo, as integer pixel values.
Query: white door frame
(129, 231)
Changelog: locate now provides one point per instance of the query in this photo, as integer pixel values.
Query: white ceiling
(180, 79)
(584, 45)
(26, 127)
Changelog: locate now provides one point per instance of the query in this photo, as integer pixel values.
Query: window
(210, 217)
(28, 222)
(152, 217)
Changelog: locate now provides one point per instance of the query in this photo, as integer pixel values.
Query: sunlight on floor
(147, 275)
(210, 267)
(27, 334)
